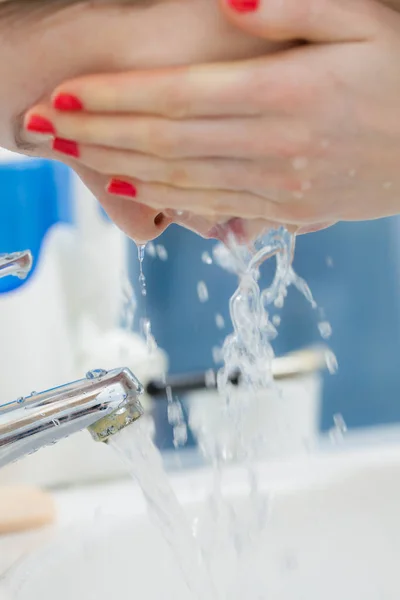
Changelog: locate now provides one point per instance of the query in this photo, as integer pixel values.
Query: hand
(304, 137)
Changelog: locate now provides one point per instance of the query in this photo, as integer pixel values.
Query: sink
(331, 532)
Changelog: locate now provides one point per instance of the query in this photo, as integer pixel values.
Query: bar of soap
(24, 507)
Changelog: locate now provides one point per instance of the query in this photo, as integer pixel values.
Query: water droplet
(175, 414)
(202, 291)
(339, 429)
(161, 252)
(32, 394)
(206, 258)
(305, 185)
(339, 422)
(219, 321)
(96, 373)
(151, 249)
(300, 163)
(149, 337)
(325, 329)
(279, 301)
(276, 320)
(180, 435)
(21, 400)
(217, 354)
(179, 213)
(331, 362)
(329, 261)
(142, 278)
(210, 379)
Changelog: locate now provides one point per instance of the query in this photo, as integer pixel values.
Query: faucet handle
(17, 263)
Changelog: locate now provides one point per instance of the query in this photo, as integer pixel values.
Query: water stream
(212, 552)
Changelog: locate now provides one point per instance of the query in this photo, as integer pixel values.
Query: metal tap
(104, 402)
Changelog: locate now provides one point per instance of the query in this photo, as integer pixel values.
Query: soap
(24, 507)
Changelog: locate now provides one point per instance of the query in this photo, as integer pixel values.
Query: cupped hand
(305, 137)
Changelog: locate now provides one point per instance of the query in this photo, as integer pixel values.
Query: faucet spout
(17, 263)
(104, 402)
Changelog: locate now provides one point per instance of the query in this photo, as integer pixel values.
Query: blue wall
(354, 273)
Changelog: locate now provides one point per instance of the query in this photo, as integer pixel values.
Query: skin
(110, 38)
(305, 137)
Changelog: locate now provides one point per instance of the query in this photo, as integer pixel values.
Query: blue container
(36, 194)
(353, 271)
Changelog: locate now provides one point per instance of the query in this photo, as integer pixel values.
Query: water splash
(142, 278)
(219, 321)
(206, 258)
(96, 373)
(135, 447)
(161, 252)
(202, 291)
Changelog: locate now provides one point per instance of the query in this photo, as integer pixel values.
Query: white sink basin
(332, 533)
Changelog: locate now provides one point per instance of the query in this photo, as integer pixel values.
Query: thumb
(310, 20)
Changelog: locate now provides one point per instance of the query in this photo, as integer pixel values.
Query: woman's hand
(307, 136)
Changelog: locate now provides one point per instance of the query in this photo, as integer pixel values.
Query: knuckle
(177, 175)
(163, 140)
(175, 102)
(288, 87)
(295, 144)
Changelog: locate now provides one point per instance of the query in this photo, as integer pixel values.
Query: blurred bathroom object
(23, 507)
(277, 423)
(102, 302)
(35, 213)
(65, 319)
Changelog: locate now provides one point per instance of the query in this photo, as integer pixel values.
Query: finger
(213, 204)
(261, 177)
(222, 89)
(314, 228)
(311, 20)
(197, 138)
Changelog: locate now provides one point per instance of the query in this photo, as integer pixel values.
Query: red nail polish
(66, 147)
(39, 124)
(121, 188)
(244, 6)
(67, 102)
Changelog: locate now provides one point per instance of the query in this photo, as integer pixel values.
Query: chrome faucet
(17, 263)
(103, 402)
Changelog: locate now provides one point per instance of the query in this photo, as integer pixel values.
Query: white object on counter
(280, 422)
(36, 352)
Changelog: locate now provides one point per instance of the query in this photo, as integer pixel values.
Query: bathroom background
(352, 270)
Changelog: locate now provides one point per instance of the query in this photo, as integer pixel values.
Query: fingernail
(121, 188)
(67, 102)
(66, 147)
(244, 6)
(39, 124)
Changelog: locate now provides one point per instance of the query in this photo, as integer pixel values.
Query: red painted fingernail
(66, 147)
(244, 5)
(67, 102)
(39, 124)
(121, 188)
